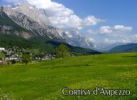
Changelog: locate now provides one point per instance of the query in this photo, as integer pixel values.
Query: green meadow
(45, 80)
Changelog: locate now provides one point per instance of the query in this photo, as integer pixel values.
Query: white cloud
(133, 38)
(122, 28)
(61, 16)
(91, 40)
(124, 40)
(135, 35)
(113, 41)
(115, 29)
(92, 20)
(109, 41)
(42, 3)
(106, 29)
(114, 34)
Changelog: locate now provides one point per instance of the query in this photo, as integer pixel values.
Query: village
(15, 55)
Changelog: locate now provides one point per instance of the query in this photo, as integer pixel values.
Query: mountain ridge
(37, 24)
(14, 35)
(131, 47)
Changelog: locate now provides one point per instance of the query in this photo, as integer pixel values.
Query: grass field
(45, 80)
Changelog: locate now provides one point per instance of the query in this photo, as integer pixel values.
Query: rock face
(37, 23)
(32, 19)
(7, 26)
(30, 11)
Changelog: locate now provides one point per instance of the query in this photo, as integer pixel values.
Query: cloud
(118, 34)
(106, 29)
(92, 20)
(91, 40)
(109, 41)
(115, 29)
(61, 16)
(135, 36)
(109, 35)
(44, 3)
(113, 41)
(122, 28)
(132, 38)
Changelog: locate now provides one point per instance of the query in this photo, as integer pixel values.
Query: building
(2, 49)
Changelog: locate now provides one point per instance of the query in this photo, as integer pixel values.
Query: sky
(103, 21)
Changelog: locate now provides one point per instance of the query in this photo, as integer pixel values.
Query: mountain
(124, 48)
(103, 47)
(36, 20)
(18, 28)
(8, 26)
(31, 18)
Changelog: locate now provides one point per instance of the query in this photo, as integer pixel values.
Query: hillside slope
(9, 41)
(13, 34)
(124, 48)
(37, 20)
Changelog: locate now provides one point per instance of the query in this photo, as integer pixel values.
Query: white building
(2, 49)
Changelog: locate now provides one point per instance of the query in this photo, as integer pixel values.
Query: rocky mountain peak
(30, 11)
(36, 21)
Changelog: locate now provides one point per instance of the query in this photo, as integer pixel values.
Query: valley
(50, 52)
(45, 80)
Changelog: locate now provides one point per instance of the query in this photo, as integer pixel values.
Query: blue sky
(103, 21)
